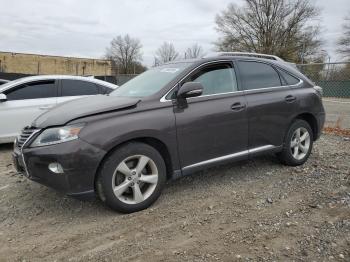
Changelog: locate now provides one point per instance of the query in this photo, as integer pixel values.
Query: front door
(213, 127)
(25, 103)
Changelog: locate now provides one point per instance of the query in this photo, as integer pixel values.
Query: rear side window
(257, 75)
(289, 79)
(78, 88)
(35, 90)
(216, 79)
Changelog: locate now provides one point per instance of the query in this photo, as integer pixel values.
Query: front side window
(72, 87)
(216, 79)
(35, 90)
(257, 75)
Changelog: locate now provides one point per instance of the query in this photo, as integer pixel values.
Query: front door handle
(237, 106)
(290, 98)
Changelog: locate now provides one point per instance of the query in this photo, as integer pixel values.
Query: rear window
(258, 75)
(78, 88)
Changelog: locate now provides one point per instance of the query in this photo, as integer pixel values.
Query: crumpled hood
(82, 107)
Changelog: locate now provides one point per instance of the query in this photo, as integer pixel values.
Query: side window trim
(275, 68)
(199, 67)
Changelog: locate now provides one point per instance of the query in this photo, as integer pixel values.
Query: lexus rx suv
(171, 121)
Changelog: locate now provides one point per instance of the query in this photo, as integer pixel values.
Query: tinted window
(216, 79)
(258, 75)
(78, 88)
(42, 89)
(289, 79)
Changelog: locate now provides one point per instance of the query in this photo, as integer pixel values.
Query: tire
(131, 178)
(297, 148)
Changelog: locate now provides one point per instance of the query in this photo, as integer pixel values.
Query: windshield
(151, 81)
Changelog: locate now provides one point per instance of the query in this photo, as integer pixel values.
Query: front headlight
(57, 135)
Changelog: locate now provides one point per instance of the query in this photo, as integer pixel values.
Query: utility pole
(329, 61)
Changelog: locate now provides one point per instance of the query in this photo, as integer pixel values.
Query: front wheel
(297, 144)
(131, 178)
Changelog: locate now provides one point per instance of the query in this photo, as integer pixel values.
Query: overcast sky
(85, 28)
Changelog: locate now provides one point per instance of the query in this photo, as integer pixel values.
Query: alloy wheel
(135, 179)
(300, 143)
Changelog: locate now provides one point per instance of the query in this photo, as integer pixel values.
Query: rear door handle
(290, 98)
(237, 106)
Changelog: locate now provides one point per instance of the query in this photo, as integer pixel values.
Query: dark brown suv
(171, 121)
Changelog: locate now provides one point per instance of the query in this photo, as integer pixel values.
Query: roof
(239, 55)
(246, 54)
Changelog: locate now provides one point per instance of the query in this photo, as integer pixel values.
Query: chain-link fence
(334, 78)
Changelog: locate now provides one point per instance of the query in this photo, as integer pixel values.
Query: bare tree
(195, 51)
(279, 27)
(165, 53)
(125, 53)
(344, 41)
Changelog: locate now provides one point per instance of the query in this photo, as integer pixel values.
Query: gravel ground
(255, 210)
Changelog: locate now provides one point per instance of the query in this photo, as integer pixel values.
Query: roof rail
(266, 56)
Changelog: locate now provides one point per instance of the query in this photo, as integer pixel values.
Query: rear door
(270, 102)
(72, 89)
(24, 103)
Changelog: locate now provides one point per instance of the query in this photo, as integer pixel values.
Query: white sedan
(22, 100)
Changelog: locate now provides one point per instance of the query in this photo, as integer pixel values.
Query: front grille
(25, 134)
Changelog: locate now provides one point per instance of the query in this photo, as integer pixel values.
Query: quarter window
(257, 75)
(42, 89)
(216, 79)
(289, 79)
(78, 88)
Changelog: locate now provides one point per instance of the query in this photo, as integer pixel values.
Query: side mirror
(3, 98)
(190, 89)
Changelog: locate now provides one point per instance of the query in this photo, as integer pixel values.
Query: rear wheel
(131, 178)
(297, 144)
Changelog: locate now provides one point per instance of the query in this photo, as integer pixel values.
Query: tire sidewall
(108, 169)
